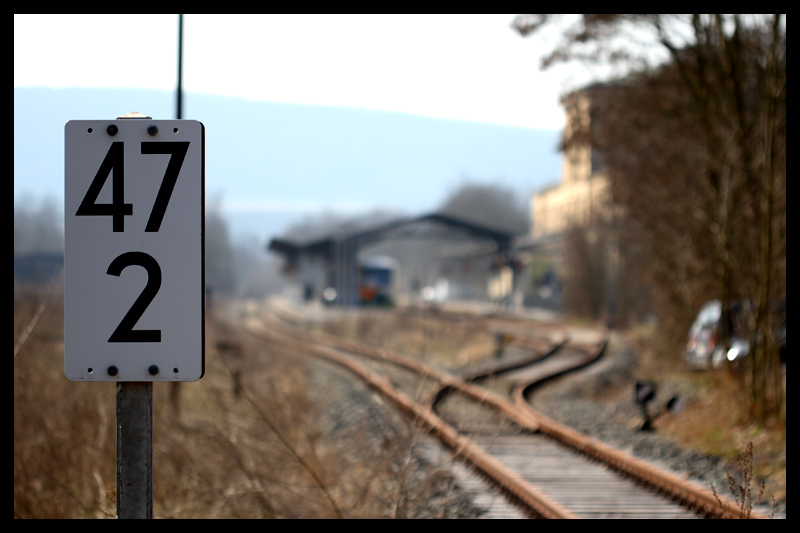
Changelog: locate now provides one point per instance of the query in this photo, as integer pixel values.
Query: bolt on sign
(133, 250)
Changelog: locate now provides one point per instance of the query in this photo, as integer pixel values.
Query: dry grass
(64, 433)
(250, 440)
(447, 344)
(742, 491)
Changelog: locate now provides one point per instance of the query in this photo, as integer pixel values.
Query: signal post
(134, 221)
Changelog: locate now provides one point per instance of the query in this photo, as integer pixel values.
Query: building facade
(562, 260)
(581, 199)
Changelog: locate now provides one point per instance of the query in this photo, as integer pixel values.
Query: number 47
(118, 209)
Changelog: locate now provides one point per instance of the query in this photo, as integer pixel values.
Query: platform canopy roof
(364, 237)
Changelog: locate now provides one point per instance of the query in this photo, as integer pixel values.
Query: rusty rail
(511, 483)
(518, 410)
(695, 498)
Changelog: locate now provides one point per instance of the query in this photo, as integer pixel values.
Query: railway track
(542, 468)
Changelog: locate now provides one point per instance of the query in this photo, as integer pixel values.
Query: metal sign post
(134, 449)
(134, 276)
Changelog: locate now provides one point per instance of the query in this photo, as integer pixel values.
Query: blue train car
(376, 276)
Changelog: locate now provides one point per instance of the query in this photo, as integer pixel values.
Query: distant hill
(270, 163)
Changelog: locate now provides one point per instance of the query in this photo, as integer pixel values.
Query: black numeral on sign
(118, 209)
(114, 161)
(125, 331)
(177, 151)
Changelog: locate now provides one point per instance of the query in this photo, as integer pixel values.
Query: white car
(704, 348)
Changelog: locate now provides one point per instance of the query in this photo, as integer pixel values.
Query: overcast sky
(458, 67)
(463, 67)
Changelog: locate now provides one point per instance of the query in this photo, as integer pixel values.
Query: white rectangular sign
(133, 250)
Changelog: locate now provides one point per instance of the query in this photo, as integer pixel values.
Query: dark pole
(134, 449)
(175, 394)
(180, 67)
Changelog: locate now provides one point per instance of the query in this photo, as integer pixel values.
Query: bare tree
(723, 97)
(324, 224)
(494, 206)
(219, 253)
(38, 226)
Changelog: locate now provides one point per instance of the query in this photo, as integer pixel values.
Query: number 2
(125, 331)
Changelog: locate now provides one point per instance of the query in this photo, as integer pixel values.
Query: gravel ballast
(615, 419)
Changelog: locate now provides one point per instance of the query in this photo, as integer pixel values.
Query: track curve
(525, 453)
